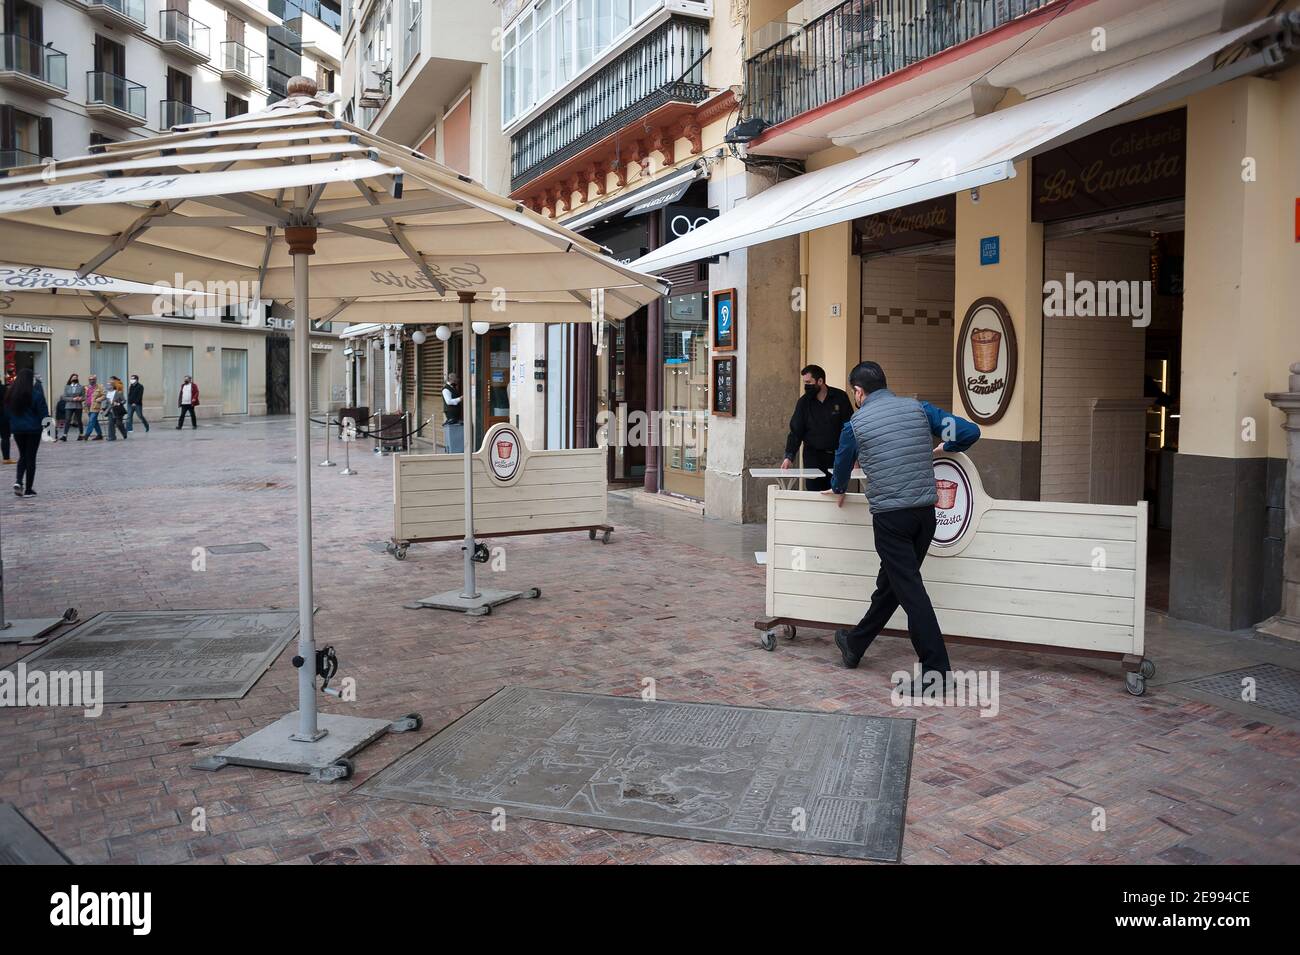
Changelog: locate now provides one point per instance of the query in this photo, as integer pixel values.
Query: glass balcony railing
(860, 41)
(9, 158)
(109, 89)
(237, 58)
(131, 9)
(21, 55)
(666, 66)
(176, 113)
(177, 27)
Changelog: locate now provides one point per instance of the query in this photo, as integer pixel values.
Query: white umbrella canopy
(259, 198)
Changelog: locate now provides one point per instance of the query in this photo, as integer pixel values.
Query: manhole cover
(1274, 688)
(827, 783)
(170, 654)
(252, 547)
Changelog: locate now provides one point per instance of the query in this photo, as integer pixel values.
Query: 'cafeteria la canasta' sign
(986, 360)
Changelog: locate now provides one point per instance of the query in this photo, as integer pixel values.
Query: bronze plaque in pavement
(825, 783)
(156, 655)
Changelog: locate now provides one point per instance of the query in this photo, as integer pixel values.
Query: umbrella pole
(307, 728)
(467, 404)
(305, 741)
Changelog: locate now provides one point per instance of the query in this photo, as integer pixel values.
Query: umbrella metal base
(33, 628)
(474, 606)
(324, 759)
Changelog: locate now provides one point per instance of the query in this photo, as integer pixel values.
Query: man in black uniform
(819, 417)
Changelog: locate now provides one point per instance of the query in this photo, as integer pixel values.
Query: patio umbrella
(28, 291)
(255, 198)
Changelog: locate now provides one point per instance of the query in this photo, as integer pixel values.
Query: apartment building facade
(75, 76)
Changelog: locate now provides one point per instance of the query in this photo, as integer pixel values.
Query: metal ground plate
(1275, 688)
(252, 547)
(21, 843)
(824, 783)
(157, 655)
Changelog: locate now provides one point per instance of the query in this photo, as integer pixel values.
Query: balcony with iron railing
(859, 42)
(239, 63)
(12, 158)
(115, 99)
(126, 15)
(27, 65)
(666, 66)
(174, 112)
(182, 35)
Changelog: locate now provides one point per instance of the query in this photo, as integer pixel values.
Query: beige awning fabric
(210, 202)
(963, 155)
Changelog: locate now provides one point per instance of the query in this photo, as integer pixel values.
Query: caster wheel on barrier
(417, 719)
(591, 534)
(345, 769)
(791, 631)
(604, 538)
(1148, 669)
(70, 615)
(1135, 683)
(400, 552)
(767, 640)
(533, 593)
(389, 547)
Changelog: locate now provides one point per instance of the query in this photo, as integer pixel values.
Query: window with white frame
(555, 40)
(410, 30)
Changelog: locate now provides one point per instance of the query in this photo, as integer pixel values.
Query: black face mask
(811, 389)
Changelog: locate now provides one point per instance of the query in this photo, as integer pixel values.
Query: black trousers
(194, 423)
(902, 538)
(825, 460)
(4, 437)
(28, 444)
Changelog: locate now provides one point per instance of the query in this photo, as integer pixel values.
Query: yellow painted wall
(834, 278)
(1017, 280)
(1242, 265)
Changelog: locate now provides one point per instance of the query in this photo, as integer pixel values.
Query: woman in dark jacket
(26, 411)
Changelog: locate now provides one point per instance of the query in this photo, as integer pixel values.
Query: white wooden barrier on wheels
(518, 492)
(1029, 575)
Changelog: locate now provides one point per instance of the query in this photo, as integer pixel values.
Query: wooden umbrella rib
(402, 243)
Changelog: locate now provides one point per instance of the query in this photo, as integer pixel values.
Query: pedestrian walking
(5, 442)
(115, 408)
(74, 396)
(94, 408)
(892, 439)
(135, 404)
(26, 412)
(453, 425)
(187, 401)
(819, 417)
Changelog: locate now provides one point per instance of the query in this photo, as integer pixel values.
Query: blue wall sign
(990, 249)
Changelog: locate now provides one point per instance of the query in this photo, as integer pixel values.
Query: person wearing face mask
(819, 417)
(135, 404)
(187, 401)
(892, 437)
(94, 408)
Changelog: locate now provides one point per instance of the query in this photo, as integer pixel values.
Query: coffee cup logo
(986, 360)
(954, 504)
(947, 494)
(503, 454)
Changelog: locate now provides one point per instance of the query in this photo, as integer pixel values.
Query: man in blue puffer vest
(891, 438)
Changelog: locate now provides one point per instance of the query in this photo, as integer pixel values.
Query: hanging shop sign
(1133, 164)
(986, 360)
(676, 221)
(723, 322)
(921, 223)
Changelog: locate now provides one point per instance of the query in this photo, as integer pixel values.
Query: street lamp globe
(443, 332)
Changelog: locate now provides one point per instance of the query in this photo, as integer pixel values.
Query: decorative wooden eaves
(568, 186)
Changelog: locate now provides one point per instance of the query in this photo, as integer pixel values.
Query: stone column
(1287, 622)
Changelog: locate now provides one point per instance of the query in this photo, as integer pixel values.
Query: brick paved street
(1182, 777)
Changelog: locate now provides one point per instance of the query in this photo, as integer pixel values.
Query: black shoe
(29, 494)
(850, 658)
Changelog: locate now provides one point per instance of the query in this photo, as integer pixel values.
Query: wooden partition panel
(1049, 574)
(551, 490)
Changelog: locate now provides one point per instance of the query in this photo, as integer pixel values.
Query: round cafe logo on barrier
(955, 503)
(986, 360)
(503, 454)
